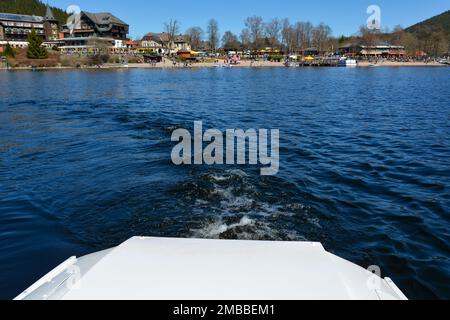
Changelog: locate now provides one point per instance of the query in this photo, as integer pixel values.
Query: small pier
(317, 62)
(320, 62)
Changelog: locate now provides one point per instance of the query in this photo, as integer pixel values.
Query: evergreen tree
(35, 49)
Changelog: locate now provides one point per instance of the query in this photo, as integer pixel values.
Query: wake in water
(233, 205)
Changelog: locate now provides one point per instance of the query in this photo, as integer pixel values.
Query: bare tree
(172, 28)
(245, 39)
(213, 34)
(439, 44)
(286, 34)
(410, 41)
(368, 37)
(255, 26)
(273, 30)
(321, 37)
(400, 37)
(298, 36)
(301, 35)
(308, 34)
(195, 35)
(101, 51)
(230, 41)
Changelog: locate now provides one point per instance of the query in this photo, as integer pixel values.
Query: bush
(9, 51)
(98, 59)
(69, 61)
(275, 58)
(134, 60)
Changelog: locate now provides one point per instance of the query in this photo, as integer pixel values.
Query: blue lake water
(365, 165)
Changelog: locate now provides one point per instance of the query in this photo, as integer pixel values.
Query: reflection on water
(85, 164)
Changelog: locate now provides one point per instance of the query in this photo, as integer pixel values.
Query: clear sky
(344, 17)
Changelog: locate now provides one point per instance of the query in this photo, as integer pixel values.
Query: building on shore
(51, 26)
(153, 43)
(268, 51)
(181, 43)
(94, 30)
(161, 43)
(91, 45)
(15, 28)
(383, 50)
(133, 45)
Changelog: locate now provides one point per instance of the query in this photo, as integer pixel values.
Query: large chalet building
(90, 28)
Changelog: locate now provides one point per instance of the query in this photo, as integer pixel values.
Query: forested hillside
(440, 23)
(31, 7)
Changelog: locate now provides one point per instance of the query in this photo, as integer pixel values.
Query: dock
(317, 62)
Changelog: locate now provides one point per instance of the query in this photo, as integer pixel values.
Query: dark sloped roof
(164, 37)
(104, 18)
(158, 37)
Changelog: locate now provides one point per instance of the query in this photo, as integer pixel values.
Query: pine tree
(35, 49)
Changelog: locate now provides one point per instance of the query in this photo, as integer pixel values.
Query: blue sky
(344, 17)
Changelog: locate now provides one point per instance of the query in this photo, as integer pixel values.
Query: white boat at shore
(193, 269)
(291, 64)
(346, 62)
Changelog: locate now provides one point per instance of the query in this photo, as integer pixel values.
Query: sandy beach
(221, 63)
(168, 64)
(401, 64)
(265, 64)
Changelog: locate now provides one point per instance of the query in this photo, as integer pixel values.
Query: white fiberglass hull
(348, 63)
(192, 269)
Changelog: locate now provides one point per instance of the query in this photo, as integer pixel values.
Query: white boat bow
(193, 269)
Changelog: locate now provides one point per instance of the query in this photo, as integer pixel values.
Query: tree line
(290, 37)
(257, 34)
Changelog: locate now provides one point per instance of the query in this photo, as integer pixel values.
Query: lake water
(365, 165)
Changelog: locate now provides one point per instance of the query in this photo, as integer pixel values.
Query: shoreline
(201, 65)
(391, 64)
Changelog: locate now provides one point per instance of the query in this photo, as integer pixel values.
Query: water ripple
(85, 164)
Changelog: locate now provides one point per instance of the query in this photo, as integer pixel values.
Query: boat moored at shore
(346, 62)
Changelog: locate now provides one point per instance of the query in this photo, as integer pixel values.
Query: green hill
(432, 35)
(437, 24)
(31, 7)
